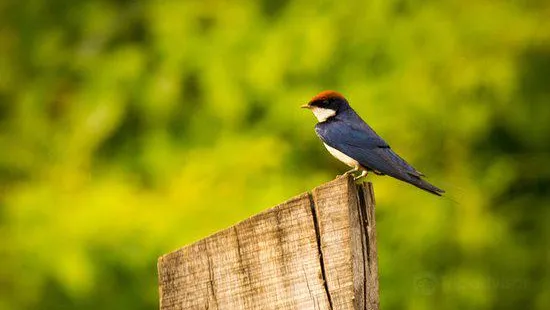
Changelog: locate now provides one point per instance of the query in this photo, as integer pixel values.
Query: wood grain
(315, 251)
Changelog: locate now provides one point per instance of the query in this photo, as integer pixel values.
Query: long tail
(425, 185)
(388, 162)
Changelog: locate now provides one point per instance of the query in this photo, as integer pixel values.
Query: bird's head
(326, 104)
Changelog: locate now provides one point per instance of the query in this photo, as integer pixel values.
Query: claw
(355, 169)
(363, 174)
(351, 171)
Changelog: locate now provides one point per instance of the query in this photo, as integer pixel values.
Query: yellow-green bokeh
(131, 128)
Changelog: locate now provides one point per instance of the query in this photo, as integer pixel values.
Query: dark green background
(131, 128)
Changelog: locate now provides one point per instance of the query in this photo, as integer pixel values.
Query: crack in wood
(211, 281)
(319, 248)
(372, 289)
(244, 269)
(364, 239)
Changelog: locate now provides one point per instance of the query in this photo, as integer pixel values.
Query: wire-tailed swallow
(348, 138)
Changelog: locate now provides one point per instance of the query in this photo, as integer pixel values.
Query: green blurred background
(131, 128)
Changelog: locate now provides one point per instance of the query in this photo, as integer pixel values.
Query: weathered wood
(315, 251)
(367, 210)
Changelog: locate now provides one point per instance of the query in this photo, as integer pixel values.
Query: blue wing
(357, 140)
(361, 143)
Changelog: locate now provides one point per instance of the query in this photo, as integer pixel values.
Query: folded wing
(371, 151)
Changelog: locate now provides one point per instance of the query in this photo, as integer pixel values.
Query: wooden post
(315, 251)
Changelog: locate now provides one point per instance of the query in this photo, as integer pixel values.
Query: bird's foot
(348, 172)
(363, 174)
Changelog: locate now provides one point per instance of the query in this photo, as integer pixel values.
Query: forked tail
(425, 185)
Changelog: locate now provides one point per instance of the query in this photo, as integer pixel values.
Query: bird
(347, 137)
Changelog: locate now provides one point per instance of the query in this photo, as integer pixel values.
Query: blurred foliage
(131, 128)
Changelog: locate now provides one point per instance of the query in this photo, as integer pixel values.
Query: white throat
(323, 114)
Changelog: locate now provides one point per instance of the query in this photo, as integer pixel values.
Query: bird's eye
(325, 102)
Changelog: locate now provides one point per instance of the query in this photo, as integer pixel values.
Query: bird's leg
(351, 171)
(363, 174)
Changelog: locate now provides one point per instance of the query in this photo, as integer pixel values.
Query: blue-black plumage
(351, 140)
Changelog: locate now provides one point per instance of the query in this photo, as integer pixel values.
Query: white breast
(342, 157)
